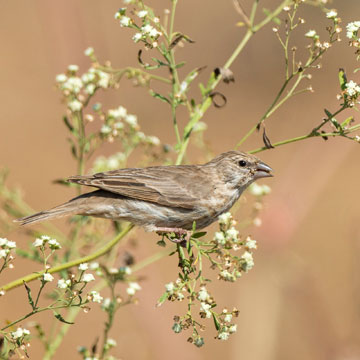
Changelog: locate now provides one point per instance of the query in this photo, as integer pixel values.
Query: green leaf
(68, 125)
(179, 65)
(161, 243)
(216, 322)
(161, 63)
(199, 235)
(342, 79)
(328, 114)
(203, 90)
(30, 299)
(60, 318)
(348, 121)
(160, 97)
(162, 299)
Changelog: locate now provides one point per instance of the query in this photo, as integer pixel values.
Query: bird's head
(240, 169)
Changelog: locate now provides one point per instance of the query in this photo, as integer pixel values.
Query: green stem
(129, 70)
(105, 249)
(303, 137)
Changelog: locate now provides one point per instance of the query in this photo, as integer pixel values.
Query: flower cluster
(76, 89)
(119, 124)
(174, 290)
(6, 246)
(231, 267)
(44, 240)
(336, 29)
(148, 31)
(352, 89)
(224, 323)
(352, 30)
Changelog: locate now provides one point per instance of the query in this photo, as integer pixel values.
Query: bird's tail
(57, 212)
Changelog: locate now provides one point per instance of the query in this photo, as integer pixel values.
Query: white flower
(54, 244)
(106, 303)
(20, 332)
(142, 13)
(131, 120)
(89, 51)
(75, 105)
(352, 88)
(153, 140)
(310, 34)
(63, 284)
(88, 77)
(154, 33)
(206, 309)
(87, 278)
(105, 129)
(94, 266)
(249, 261)
(96, 297)
(146, 29)
(48, 277)
(137, 37)
(223, 335)
(60, 78)
(232, 329)
(352, 28)
(38, 242)
(83, 266)
(73, 68)
(111, 342)
(332, 14)
(170, 287)
(250, 243)
(118, 113)
(125, 21)
(232, 234)
(11, 244)
(257, 222)
(73, 84)
(45, 237)
(104, 79)
(259, 190)
(4, 253)
(228, 317)
(3, 241)
(224, 218)
(203, 295)
(133, 287)
(219, 238)
(90, 89)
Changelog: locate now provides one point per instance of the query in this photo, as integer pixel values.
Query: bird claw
(180, 235)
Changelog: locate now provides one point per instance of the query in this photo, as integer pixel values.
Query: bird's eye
(242, 163)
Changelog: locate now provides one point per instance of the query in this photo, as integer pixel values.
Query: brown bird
(164, 198)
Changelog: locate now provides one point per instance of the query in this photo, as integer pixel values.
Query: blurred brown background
(302, 300)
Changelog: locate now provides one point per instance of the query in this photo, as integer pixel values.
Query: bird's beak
(262, 170)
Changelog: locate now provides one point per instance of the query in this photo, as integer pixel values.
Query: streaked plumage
(164, 196)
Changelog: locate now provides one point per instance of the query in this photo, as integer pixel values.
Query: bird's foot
(180, 234)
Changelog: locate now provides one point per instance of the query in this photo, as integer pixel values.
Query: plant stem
(303, 137)
(105, 249)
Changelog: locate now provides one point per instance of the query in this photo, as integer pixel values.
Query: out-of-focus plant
(228, 251)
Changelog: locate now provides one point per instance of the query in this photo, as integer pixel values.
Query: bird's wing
(179, 186)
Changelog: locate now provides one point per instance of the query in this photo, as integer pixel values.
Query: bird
(163, 198)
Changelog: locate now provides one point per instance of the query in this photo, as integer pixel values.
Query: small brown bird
(164, 198)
